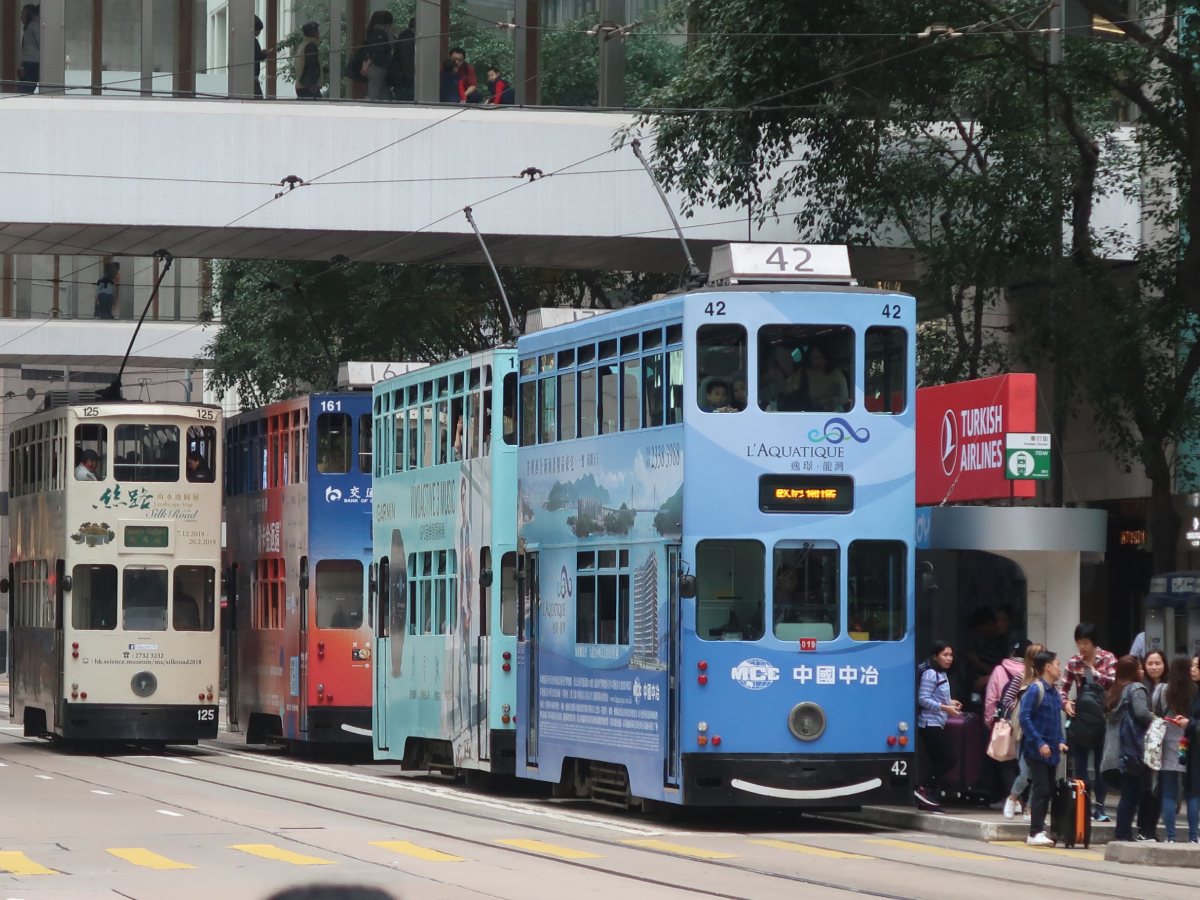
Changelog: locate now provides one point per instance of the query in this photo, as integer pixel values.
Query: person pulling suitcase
(1042, 741)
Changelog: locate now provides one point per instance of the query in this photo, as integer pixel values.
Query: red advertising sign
(960, 438)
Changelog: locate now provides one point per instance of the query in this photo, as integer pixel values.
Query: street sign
(1026, 456)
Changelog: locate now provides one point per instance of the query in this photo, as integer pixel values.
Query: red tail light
(702, 679)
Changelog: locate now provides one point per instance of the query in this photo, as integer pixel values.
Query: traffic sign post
(1026, 456)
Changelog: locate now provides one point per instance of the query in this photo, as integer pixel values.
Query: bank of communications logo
(332, 494)
(755, 674)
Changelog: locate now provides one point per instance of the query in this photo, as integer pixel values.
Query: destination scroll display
(806, 493)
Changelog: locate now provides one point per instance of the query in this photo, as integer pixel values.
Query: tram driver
(197, 468)
(88, 463)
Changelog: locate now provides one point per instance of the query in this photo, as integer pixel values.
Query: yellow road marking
(270, 851)
(548, 849)
(17, 863)
(807, 848)
(410, 849)
(680, 849)
(1078, 853)
(140, 856)
(925, 848)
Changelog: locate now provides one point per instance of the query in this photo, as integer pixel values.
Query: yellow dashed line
(548, 849)
(270, 851)
(806, 848)
(925, 848)
(410, 849)
(17, 863)
(1077, 853)
(680, 849)
(139, 856)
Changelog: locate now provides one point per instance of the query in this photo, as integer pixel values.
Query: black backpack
(1087, 727)
(379, 48)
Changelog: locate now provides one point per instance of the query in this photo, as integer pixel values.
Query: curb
(1181, 856)
(959, 826)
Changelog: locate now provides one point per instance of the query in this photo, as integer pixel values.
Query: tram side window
(609, 399)
(91, 443)
(364, 443)
(93, 598)
(878, 590)
(528, 413)
(885, 380)
(510, 408)
(339, 593)
(547, 410)
(675, 387)
(508, 593)
(144, 598)
(602, 597)
(31, 594)
(730, 598)
(333, 443)
(805, 368)
(146, 452)
(652, 390)
(269, 593)
(201, 452)
(568, 419)
(720, 364)
(193, 598)
(630, 411)
(587, 403)
(806, 601)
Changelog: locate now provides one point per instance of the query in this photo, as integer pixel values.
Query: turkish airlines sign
(960, 438)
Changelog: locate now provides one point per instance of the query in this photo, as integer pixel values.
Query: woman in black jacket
(1191, 777)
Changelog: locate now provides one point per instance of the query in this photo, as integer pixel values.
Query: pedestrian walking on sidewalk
(1042, 740)
(1129, 713)
(1174, 702)
(1189, 749)
(934, 707)
(1011, 705)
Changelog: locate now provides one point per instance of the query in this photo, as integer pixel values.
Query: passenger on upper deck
(824, 383)
(781, 386)
(197, 468)
(86, 470)
(716, 396)
(740, 394)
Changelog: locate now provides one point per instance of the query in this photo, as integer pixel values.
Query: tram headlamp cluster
(144, 684)
(806, 721)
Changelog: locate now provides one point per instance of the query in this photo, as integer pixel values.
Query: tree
(980, 142)
(286, 326)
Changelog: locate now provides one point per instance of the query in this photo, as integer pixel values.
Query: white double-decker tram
(115, 522)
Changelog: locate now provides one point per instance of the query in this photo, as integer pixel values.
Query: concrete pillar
(526, 51)
(271, 35)
(240, 48)
(10, 42)
(612, 53)
(54, 47)
(183, 82)
(147, 49)
(97, 76)
(1052, 597)
(337, 53)
(428, 55)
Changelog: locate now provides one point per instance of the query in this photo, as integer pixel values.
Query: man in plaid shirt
(1096, 668)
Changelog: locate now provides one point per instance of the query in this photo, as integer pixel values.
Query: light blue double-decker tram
(445, 555)
(716, 507)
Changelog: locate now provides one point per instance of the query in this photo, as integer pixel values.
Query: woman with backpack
(1042, 741)
(1090, 672)
(1010, 706)
(934, 707)
(1003, 690)
(1173, 702)
(1129, 714)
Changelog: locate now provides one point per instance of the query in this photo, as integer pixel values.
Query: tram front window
(878, 590)
(339, 593)
(146, 452)
(805, 368)
(193, 599)
(730, 600)
(805, 599)
(94, 598)
(144, 599)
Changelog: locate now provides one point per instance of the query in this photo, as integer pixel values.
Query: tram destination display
(806, 493)
(147, 536)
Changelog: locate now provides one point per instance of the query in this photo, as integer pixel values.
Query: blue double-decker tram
(445, 558)
(716, 508)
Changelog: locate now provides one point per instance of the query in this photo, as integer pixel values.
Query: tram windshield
(339, 593)
(730, 598)
(193, 599)
(94, 598)
(146, 452)
(805, 602)
(144, 598)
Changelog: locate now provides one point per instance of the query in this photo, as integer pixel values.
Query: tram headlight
(806, 721)
(144, 684)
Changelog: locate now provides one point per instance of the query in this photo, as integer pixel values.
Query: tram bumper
(325, 725)
(816, 782)
(169, 723)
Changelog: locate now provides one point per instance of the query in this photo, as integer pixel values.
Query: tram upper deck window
(720, 366)
(144, 598)
(806, 599)
(805, 368)
(201, 452)
(339, 593)
(509, 411)
(91, 452)
(364, 443)
(193, 599)
(333, 443)
(730, 599)
(878, 610)
(146, 452)
(886, 379)
(93, 598)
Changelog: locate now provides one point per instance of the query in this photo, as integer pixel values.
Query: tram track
(549, 822)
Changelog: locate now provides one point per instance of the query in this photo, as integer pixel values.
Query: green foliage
(570, 62)
(285, 326)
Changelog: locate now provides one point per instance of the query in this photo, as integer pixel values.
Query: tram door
(302, 652)
(673, 651)
(532, 593)
(60, 572)
(481, 703)
(382, 655)
(229, 622)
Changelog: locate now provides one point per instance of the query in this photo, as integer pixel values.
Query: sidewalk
(983, 824)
